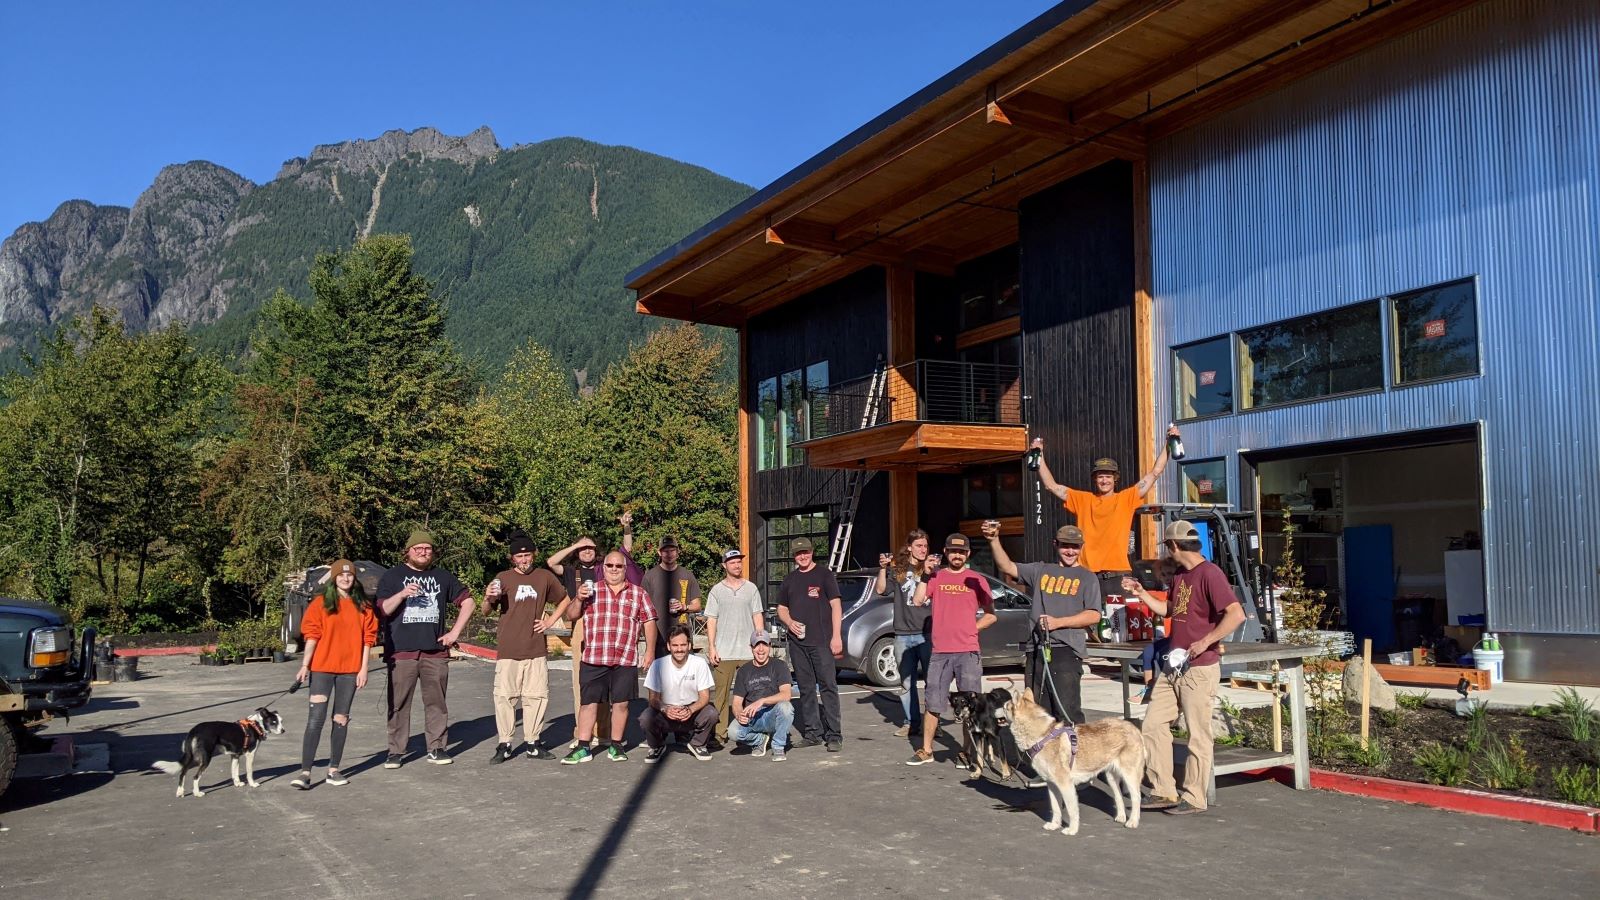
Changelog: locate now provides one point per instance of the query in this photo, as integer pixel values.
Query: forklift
(1234, 546)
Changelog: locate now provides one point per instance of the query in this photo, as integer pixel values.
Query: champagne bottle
(1034, 453)
(1174, 445)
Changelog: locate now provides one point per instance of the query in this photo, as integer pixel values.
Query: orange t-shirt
(342, 637)
(1105, 522)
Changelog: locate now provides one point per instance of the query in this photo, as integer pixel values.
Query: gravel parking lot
(818, 825)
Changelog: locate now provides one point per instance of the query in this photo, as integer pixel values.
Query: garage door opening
(1390, 530)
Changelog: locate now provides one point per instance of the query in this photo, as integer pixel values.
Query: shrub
(1504, 766)
(1576, 713)
(1389, 718)
(1442, 764)
(1348, 747)
(1478, 727)
(1410, 700)
(1579, 785)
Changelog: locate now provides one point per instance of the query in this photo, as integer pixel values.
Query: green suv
(39, 671)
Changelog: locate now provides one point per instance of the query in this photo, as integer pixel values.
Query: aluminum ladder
(856, 481)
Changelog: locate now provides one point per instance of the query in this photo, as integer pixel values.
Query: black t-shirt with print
(809, 596)
(419, 621)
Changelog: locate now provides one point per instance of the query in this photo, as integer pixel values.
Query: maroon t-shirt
(956, 598)
(1197, 600)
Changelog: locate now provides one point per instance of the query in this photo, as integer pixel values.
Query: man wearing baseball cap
(674, 590)
(412, 598)
(1204, 610)
(520, 594)
(762, 713)
(733, 614)
(1066, 600)
(809, 606)
(1105, 514)
(957, 594)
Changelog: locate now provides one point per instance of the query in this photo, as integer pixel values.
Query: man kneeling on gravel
(762, 713)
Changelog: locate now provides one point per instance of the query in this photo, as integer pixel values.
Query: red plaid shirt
(611, 621)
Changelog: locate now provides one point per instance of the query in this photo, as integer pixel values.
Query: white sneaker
(760, 749)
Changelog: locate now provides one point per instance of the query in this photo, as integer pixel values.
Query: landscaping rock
(1382, 694)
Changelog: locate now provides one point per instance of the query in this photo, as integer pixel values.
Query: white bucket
(1491, 661)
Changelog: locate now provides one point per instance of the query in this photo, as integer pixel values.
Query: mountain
(530, 241)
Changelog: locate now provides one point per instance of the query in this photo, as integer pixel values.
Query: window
(1204, 481)
(786, 407)
(1435, 333)
(1334, 352)
(988, 288)
(1204, 376)
(767, 426)
(811, 524)
(992, 492)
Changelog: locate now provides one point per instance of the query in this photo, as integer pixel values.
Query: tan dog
(1110, 746)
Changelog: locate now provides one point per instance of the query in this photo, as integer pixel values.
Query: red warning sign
(1203, 485)
(1433, 328)
(1208, 377)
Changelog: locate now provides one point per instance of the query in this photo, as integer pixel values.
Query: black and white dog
(236, 739)
(981, 730)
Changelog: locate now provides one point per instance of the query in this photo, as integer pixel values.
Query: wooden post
(1366, 689)
(1277, 709)
(901, 290)
(1143, 347)
(747, 538)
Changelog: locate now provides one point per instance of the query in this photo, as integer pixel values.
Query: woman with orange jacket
(338, 634)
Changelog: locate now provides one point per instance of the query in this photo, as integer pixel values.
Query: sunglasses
(616, 565)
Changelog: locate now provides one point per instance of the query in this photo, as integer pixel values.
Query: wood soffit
(941, 184)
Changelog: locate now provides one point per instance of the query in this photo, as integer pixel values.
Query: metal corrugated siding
(1471, 147)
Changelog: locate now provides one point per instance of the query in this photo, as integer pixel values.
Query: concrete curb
(475, 650)
(1517, 809)
(165, 651)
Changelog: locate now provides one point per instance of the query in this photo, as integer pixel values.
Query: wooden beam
(1145, 425)
(747, 534)
(688, 309)
(993, 331)
(813, 237)
(865, 218)
(1380, 26)
(1050, 119)
(1225, 38)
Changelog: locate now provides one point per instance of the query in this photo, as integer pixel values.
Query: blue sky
(97, 96)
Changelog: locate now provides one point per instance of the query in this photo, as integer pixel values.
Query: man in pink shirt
(956, 594)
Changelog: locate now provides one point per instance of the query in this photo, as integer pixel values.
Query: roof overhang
(936, 180)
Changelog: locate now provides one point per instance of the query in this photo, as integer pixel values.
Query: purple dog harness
(1058, 731)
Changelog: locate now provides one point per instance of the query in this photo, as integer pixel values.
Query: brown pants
(1193, 695)
(722, 694)
(433, 673)
(523, 681)
(602, 724)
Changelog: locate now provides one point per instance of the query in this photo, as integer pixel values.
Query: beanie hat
(420, 536)
(521, 543)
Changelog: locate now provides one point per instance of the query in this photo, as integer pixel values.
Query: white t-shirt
(735, 612)
(679, 685)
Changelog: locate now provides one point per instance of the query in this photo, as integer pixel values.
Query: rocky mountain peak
(374, 155)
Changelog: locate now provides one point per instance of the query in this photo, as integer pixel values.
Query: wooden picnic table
(1229, 760)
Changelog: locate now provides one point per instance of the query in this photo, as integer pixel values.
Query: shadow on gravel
(599, 861)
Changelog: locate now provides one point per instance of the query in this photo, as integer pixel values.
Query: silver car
(868, 625)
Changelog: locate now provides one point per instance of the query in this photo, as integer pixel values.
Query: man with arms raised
(679, 690)
(957, 594)
(808, 605)
(1066, 600)
(520, 594)
(412, 598)
(1204, 611)
(1105, 514)
(613, 611)
(733, 613)
(762, 713)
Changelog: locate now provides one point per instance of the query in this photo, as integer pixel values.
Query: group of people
(738, 693)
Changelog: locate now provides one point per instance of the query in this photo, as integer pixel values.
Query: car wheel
(883, 664)
(8, 753)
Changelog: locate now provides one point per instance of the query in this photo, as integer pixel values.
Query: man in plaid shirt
(612, 615)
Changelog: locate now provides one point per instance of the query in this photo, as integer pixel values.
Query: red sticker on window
(1204, 485)
(1208, 377)
(1433, 329)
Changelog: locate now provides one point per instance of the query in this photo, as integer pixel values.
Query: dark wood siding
(1077, 331)
(846, 324)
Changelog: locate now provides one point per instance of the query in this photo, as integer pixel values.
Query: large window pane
(767, 424)
(1204, 481)
(977, 494)
(795, 415)
(1436, 333)
(1335, 352)
(1203, 378)
(816, 396)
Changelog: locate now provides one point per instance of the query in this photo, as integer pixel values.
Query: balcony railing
(925, 390)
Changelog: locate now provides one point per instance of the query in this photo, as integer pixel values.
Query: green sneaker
(615, 754)
(580, 755)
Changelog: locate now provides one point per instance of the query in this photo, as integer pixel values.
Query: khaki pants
(722, 694)
(524, 681)
(602, 724)
(433, 674)
(1195, 691)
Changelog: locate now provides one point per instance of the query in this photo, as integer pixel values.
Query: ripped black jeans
(341, 690)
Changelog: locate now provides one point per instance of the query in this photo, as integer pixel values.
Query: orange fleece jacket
(342, 637)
